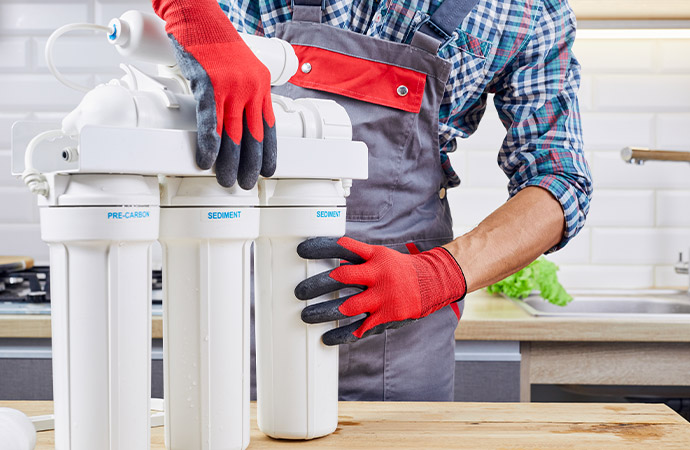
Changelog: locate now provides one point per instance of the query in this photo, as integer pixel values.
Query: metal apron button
(306, 67)
(402, 90)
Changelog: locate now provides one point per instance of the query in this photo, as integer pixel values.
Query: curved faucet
(638, 155)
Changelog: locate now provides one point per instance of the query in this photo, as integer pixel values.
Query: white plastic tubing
(49, 51)
(34, 180)
(142, 36)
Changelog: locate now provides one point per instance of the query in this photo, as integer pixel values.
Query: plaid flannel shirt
(518, 50)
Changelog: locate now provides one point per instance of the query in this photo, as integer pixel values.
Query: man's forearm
(511, 237)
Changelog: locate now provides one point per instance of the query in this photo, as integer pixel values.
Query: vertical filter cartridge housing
(297, 375)
(100, 229)
(206, 234)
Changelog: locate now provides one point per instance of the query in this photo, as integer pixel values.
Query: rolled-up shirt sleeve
(536, 99)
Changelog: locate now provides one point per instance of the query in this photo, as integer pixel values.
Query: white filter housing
(297, 375)
(100, 258)
(206, 234)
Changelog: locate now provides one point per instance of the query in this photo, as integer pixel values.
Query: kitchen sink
(609, 303)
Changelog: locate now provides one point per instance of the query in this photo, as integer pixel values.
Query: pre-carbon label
(126, 215)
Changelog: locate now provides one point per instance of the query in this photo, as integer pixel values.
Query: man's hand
(397, 288)
(235, 121)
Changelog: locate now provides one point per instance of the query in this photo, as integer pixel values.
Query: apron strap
(437, 31)
(308, 10)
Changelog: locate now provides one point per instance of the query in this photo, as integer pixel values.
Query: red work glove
(231, 86)
(397, 288)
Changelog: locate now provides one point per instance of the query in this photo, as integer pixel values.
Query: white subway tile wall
(633, 93)
(672, 208)
(613, 207)
(14, 53)
(639, 92)
(19, 17)
(673, 130)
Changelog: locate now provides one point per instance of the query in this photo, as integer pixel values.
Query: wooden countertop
(491, 317)
(475, 426)
(486, 318)
(38, 326)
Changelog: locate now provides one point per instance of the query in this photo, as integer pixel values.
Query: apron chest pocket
(383, 102)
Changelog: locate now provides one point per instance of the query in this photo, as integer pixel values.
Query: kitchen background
(635, 91)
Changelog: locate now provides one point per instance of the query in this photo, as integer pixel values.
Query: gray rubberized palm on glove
(235, 121)
(397, 288)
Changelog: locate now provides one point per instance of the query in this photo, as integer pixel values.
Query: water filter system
(119, 174)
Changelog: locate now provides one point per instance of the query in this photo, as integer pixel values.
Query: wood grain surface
(610, 363)
(24, 326)
(475, 426)
(14, 263)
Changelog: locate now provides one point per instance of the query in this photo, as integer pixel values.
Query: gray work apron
(402, 205)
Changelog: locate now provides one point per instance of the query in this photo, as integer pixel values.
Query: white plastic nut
(70, 154)
(119, 32)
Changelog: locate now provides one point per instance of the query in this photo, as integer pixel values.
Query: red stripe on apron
(412, 248)
(361, 79)
(456, 309)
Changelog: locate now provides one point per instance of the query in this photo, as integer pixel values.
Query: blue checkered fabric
(518, 50)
